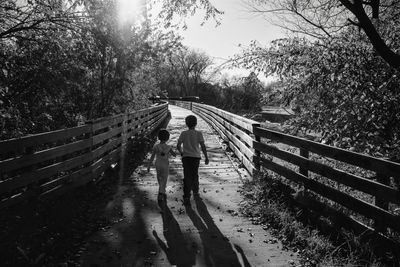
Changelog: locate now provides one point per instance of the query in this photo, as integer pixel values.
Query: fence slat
(367, 162)
(44, 155)
(361, 207)
(18, 144)
(365, 185)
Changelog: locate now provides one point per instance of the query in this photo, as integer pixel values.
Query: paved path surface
(209, 233)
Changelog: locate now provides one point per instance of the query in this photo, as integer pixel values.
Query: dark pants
(190, 176)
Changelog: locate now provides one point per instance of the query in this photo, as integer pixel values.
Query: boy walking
(192, 140)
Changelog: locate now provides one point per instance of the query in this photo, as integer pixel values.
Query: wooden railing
(356, 191)
(50, 163)
(236, 131)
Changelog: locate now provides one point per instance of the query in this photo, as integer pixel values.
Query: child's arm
(179, 147)
(153, 154)
(204, 149)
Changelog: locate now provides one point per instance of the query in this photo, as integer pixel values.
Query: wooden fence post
(304, 171)
(89, 135)
(379, 224)
(257, 153)
(124, 133)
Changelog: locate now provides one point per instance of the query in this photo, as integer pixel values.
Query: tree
(379, 19)
(19, 17)
(54, 75)
(187, 68)
(341, 88)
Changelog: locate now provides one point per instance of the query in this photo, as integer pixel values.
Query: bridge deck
(209, 233)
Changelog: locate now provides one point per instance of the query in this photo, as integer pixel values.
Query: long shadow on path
(218, 250)
(177, 250)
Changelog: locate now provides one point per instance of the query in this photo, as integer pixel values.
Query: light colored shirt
(190, 140)
(162, 152)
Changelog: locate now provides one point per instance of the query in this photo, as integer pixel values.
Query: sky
(238, 26)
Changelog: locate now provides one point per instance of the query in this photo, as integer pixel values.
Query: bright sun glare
(130, 10)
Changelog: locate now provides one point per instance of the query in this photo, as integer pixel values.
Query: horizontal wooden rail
(378, 187)
(50, 163)
(364, 161)
(368, 197)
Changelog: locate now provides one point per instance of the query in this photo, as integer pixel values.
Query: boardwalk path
(209, 233)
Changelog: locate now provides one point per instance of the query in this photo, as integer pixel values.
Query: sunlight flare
(130, 11)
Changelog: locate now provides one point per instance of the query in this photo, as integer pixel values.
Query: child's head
(191, 121)
(163, 135)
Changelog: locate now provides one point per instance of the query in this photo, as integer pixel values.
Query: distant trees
(184, 71)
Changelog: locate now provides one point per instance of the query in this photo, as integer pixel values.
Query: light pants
(162, 168)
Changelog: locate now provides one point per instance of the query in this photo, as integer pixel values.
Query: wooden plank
(84, 178)
(366, 209)
(382, 203)
(242, 134)
(359, 183)
(107, 122)
(18, 144)
(236, 119)
(151, 124)
(16, 199)
(342, 220)
(221, 134)
(107, 135)
(105, 148)
(241, 146)
(247, 164)
(65, 179)
(159, 121)
(42, 173)
(367, 162)
(44, 155)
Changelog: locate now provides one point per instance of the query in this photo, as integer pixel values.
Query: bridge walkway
(208, 233)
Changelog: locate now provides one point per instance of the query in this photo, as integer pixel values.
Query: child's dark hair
(191, 121)
(163, 135)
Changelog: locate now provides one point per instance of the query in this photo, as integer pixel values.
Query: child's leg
(162, 177)
(195, 175)
(187, 181)
(191, 176)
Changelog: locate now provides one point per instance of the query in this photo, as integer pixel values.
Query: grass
(269, 201)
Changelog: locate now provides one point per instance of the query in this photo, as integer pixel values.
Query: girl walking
(161, 151)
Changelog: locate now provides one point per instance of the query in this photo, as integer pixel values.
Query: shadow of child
(218, 250)
(176, 248)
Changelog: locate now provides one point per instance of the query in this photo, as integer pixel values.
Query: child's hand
(207, 161)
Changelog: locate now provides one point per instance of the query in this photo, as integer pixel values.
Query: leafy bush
(341, 88)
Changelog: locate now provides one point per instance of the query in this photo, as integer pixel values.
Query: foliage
(184, 71)
(329, 18)
(244, 94)
(172, 8)
(66, 61)
(345, 92)
(269, 201)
